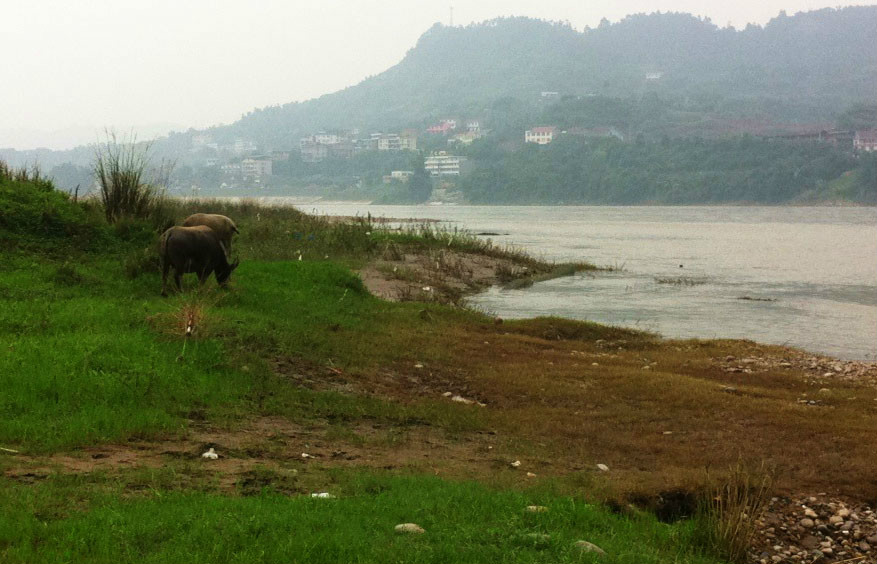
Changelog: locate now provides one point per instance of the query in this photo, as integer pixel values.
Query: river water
(808, 274)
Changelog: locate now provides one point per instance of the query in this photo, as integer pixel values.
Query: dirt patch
(442, 275)
(274, 445)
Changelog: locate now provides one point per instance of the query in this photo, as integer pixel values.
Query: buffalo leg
(165, 267)
(178, 278)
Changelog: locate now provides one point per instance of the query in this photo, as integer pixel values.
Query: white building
(443, 164)
(540, 135)
(242, 146)
(865, 140)
(256, 168)
(389, 142)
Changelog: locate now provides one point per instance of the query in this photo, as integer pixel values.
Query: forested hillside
(809, 66)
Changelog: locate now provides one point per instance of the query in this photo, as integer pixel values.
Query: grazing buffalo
(195, 249)
(222, 225)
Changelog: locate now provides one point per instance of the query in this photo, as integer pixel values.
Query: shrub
(142, 262)
(121, 169)
(731, 508)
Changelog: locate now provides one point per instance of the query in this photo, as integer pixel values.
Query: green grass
(91, 354)
(72, 519)
(92, 357)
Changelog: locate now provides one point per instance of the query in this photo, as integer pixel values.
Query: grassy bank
(107, 406)
(464, 522)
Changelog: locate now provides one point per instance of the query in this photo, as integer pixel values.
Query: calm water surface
(683, 270)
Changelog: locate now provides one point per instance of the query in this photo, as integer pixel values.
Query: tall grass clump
(731, 508)
(128, 187)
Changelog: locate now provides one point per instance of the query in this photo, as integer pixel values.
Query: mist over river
(807, 276)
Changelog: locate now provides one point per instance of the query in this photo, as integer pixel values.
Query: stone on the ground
(810, 513)
(602, 467)
(409, 528)
(807, 523)
(210, 454)
(515, 464)
(586, 546)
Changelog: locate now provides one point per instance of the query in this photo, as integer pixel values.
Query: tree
(420, 184)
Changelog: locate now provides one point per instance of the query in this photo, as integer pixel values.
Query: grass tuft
(732, 506)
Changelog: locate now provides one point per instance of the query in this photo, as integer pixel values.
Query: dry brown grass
(566, 396)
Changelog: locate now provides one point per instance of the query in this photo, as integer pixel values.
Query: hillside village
(244, 165)
(715, 116)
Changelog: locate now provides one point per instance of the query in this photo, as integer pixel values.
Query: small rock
(864, 546)
(602, 468)
(461, 399)
(835, 519)
(843, 512)
(806, 522)
(595, 364)
(447, 394)
(586, 546)
(824, 391)
(531, 475)
(647, 367)
(810, 513)
(536, 509)
(210, 454)
(409, 528)
(418, 365)
(515, 464)
(668, 432)
(306, 455)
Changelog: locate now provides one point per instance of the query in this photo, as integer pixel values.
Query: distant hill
(810, 65)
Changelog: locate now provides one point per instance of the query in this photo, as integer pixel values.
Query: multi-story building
(408, 140)
(388, 142)
(865, 140)
(256, 168)
(540, 135)
(312, 152)
(443, 164)
(242, 146)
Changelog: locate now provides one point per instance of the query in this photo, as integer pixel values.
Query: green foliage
(30, 207)
(800, 68)
(420, 184)
(464, 522)
(574, 170)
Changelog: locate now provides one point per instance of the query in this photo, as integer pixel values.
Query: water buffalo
(195, 249)
(223, 226)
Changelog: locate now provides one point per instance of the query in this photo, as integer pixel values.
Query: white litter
(306, 455)
(210, 454)
(323, 495)
(515, 464)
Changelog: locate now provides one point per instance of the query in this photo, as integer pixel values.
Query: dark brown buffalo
(195, 249)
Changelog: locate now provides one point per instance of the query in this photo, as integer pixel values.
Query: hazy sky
(73, 67)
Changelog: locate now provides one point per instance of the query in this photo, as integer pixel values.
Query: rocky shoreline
(821, 370)
(815, 529)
